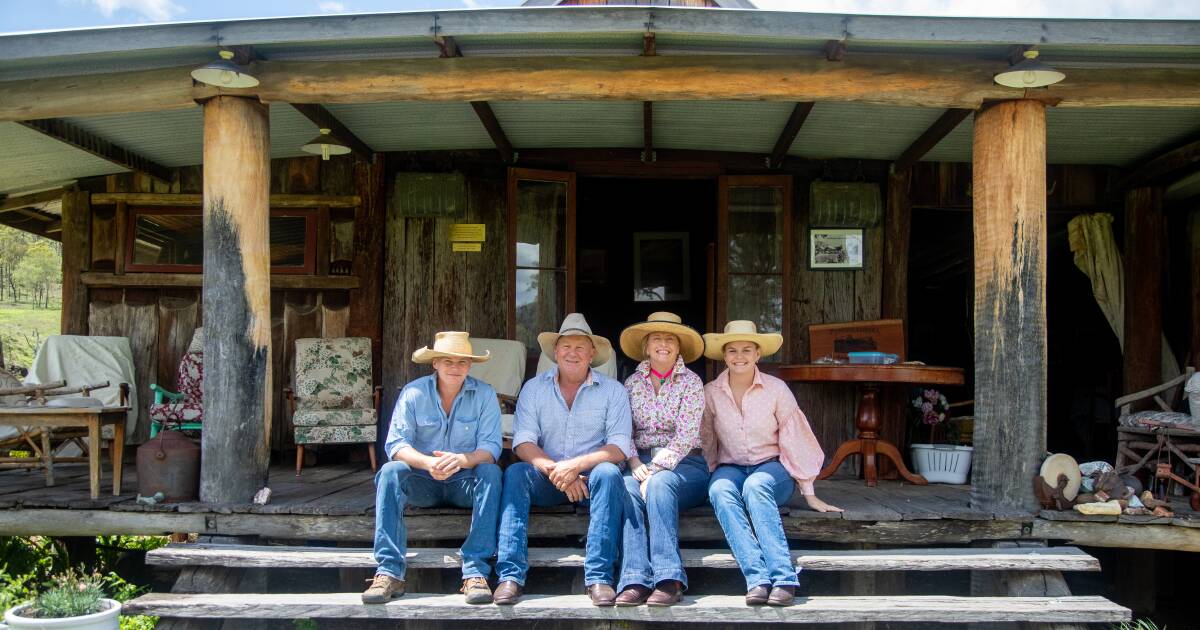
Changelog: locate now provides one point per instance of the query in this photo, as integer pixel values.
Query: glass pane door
(754, 252)
(541, 229)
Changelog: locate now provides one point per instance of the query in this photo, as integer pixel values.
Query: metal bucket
(170, 464)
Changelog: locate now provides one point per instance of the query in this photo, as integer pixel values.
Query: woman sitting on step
(759, 447)
(667, 474)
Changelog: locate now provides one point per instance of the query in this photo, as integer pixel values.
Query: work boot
(758, 595)
(602, 595)
(508, 593)
(633, 595)
(782, 596)
(383, 589)
(667, 592)
(477, 591)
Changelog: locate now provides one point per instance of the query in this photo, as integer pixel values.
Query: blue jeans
(650, 536)
(525, 486)
(397, 485)
(746, 495)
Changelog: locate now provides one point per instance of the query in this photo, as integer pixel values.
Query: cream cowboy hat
(740, 330)
(691, 346)
(575, 324)
(451, 344)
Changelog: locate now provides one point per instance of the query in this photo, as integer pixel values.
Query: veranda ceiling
(1110, 136)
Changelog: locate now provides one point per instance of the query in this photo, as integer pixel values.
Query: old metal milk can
(170, 464)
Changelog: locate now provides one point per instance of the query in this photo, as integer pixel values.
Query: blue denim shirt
(420, 422)
(599, 416)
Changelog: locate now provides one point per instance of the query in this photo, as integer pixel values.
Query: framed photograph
(835, 248)
(661, 267)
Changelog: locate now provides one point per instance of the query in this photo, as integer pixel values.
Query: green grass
(23, 327)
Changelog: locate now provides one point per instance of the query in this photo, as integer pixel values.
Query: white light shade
(325, 145)
(1029, 73)
(224, 73)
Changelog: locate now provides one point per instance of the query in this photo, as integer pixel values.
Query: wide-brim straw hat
(691, 345)
(450, 344)
(575, 324)
(740, 330)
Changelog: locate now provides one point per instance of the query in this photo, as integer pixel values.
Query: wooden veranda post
(237, 299)
(76, 258)
(1145, 236)
(1010, 303)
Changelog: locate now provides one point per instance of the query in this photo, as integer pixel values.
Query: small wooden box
(835, 340)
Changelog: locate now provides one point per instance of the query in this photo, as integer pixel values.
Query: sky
(27, 15)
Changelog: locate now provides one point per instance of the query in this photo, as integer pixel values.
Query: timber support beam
(324, 119)
(788, 135)
(80, 138)
(237, 298)
(1009, 158)
(924, 143)
(1145, 234)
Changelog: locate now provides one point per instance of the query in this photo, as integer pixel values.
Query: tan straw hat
(451, 344)
(1062, 464)
(740, 330)
(691, 346)
(575, 324)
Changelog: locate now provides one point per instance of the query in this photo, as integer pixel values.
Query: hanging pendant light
(1029, 73)
(325, 145)
(225, 73)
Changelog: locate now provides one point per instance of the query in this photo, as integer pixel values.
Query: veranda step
(1021, 558)
(706, 608)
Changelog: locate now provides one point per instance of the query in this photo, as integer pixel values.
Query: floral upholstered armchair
(183, 409)
(334, 400)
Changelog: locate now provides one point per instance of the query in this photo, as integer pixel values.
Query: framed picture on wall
(835, 248)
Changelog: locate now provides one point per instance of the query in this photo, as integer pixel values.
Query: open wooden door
(541, 252)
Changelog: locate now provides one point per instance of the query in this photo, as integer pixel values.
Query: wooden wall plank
(370, 236)
(1145, 254)
(178, 318)
(76, 254)
(135, 316)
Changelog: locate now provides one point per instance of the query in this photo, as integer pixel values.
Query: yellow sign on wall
(466, 247)
(467, 232)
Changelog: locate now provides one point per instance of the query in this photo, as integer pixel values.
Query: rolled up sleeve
(488, 437)
(525, 424)
(618, 421)
(402, 430)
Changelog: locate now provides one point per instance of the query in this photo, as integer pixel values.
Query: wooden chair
(1147, 438)
(505, 372)
(183, 409)
(334, 400)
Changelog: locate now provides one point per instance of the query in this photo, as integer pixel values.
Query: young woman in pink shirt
(758, 446)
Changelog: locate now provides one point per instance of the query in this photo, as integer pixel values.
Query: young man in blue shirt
(572, 429)
(443, 445)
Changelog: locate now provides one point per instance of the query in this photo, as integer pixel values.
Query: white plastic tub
(942, 463)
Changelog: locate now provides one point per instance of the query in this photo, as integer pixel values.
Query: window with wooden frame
(541, 251)
(754, 252)
(172, 240)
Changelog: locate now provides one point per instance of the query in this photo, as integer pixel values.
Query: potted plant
(935, 461)
(73, 601)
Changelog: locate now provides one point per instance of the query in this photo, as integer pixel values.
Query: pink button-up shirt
(670, 418)
(769, 424)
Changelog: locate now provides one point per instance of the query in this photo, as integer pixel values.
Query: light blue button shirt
(599, 416)
(420, 422)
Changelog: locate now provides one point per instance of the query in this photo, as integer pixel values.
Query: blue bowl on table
(873, 358)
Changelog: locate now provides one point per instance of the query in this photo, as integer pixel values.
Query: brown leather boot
(758, 595)
(383, 589)
(782, 596)
(507, 593)
(602, 595)
(633, 595)
(666, 593)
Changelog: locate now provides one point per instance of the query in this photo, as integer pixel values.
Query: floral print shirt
(669, 419)
(768, 424)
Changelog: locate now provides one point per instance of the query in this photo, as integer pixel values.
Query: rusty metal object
(1163, 471)
(170, 464)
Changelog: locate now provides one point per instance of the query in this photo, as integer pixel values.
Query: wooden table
(92, 418)
(869, 378)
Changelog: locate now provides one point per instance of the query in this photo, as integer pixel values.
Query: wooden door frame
(724, 183)
(567, 177)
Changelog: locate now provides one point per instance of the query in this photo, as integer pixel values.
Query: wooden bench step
(706, 608)
(1021, 559)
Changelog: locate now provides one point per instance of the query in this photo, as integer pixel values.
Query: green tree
(13, 245)
(40, 271)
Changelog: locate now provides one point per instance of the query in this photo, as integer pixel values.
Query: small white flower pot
(942, 463)
(107, 619)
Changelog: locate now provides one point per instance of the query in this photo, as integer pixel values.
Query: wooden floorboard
(707, 608)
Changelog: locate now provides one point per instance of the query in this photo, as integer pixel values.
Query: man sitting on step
(572, 428)
(443, 445)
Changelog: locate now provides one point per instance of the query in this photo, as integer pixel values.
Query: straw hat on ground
(450, 344)
(740, 330)
(691, 346)
(575, 324)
